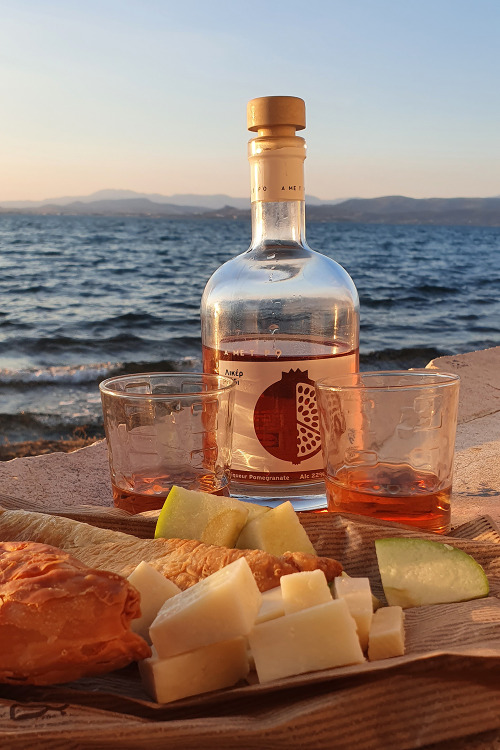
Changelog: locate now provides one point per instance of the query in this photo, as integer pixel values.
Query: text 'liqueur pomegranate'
(278, 317)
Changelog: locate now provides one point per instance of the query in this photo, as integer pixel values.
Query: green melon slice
(417, 572)
(190, 514)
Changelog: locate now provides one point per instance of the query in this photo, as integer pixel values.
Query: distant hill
(188, 200)
(121, 207)
(385, 210)
(400, 210)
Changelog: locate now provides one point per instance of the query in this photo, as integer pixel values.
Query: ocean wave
(437, 289)
(88, 373)
(76, 374)
(121, 343)
(405, 358)
(187, 364)
(29, 426)
(384, 302)
(129, 318)
(92, 373)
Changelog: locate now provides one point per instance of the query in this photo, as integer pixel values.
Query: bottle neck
(277, 189)
(280, 222)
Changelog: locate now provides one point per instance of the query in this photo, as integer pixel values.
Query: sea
(83, 298)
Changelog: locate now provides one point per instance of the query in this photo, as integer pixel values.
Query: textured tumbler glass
(164, 429)
(388, 443)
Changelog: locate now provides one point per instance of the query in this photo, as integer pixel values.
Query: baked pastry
(59, 619)
(183, 561)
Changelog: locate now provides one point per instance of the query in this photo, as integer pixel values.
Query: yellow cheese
(303, 590)
(154, 589)
(375, 602)
(217, 608)
(316, 638)
(387, 633)
(208, 668)
(277, 531)
(358, 597)
(272, 605)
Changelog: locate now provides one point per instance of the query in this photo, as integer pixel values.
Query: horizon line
(148, 195)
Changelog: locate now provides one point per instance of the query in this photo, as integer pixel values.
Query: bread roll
(183, 561)
(60, 620)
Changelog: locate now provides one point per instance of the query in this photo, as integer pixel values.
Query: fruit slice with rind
(189, 514)
(417, 572)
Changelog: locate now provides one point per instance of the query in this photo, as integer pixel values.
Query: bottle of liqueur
(278, 317)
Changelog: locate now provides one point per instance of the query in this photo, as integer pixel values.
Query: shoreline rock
(26, 448)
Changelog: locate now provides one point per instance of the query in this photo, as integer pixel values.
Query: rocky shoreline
(8, 451)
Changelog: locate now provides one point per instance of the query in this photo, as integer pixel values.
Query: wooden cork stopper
(276, 115)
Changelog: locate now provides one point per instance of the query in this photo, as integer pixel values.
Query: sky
(402, 96)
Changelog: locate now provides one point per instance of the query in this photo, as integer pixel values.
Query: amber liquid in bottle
(277, 318)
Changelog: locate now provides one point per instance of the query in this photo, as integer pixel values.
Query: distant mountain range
(386, 210)
(182, 202)
(400, 210)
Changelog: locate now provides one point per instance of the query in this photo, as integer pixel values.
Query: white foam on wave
(81, 374)
(71, 374)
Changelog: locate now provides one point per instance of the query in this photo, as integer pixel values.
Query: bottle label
(276, 435)
(277, 176)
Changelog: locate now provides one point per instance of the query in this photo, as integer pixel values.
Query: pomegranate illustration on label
(286, 418)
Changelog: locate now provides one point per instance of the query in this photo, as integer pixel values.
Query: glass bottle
(278, 317)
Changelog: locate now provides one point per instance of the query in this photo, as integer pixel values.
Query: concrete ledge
(479, 382)
(476, 483)
(60, 480)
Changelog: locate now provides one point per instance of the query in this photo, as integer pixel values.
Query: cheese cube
(277, 531)
(375, 602)
(154, 589)
(358, 596)
(305, 589)
(208, 668)
(272, 605)
(222, 606)
(316, 638)
(387, 633)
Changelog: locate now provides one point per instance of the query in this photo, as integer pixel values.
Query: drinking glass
(164, 429)
(388, 443)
